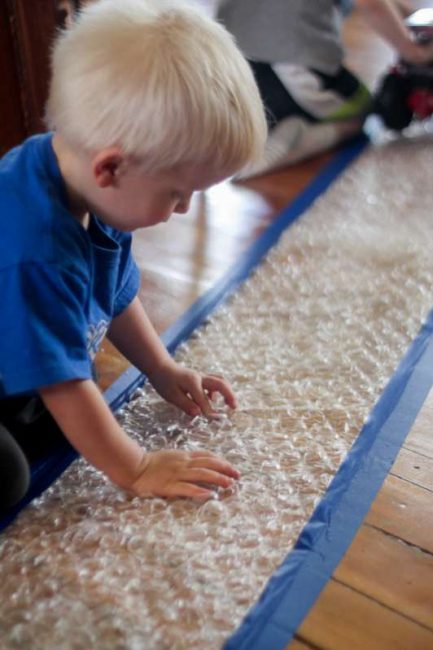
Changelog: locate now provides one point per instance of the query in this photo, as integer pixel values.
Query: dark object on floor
(406, 91)
(14, 471)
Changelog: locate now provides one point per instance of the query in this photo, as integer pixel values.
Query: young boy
(148, 103)
(295, 49)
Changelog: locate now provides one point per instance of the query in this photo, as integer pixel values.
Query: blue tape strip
(295, 586)
(46, 472)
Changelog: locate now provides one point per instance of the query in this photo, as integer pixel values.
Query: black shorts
(32, 426)
(28, 434)
(319, 97)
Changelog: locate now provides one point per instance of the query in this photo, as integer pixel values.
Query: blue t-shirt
(60, 285)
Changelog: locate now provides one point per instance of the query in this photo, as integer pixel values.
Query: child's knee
(14, 471)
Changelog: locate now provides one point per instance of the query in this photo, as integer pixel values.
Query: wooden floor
(381, 595)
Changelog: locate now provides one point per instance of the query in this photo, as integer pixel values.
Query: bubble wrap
(308, 343)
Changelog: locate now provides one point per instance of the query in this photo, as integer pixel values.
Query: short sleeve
(42, 327)
(129, 287)
(128, 278)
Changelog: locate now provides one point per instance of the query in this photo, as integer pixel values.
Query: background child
(149, 102)
(295, 49)
(67, 10)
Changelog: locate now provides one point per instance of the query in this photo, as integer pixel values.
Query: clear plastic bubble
(308, 343)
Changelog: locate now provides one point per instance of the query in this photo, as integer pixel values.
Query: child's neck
(70, 170)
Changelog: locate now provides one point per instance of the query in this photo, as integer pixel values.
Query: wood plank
(35, 32)
(406, 511)
(415, 468)
(343, 619)
(109, 364)
(297, 644)
(420, 438)
(280, 187)
(389, 571)
(12, 123)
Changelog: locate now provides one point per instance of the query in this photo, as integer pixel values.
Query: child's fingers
(191, 398)
(186, 404)
(203, 475)
(216, 464)
(191, 491)
(215, 384)
(201, 400)
(174, 473)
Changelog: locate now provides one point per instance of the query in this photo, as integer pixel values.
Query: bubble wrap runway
(308, 343)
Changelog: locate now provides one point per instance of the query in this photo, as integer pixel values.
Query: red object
(420, 101)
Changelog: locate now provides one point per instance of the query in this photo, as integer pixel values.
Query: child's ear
(107, 165)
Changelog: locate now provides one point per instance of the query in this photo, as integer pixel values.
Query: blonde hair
(160, 80)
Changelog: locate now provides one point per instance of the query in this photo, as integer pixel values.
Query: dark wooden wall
(27, 29)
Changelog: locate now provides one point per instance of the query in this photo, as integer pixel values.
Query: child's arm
(405, 7)
(386, 19)
(82, 414)
(134, 335)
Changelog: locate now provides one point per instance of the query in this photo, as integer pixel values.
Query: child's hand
(173, 473)
(189, 390)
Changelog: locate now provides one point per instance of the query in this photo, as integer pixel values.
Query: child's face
(133, 199)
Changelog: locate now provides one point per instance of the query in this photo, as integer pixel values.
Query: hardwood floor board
(298, 644)
(391, 572)
(280, 187)
(415, 468)
(178, 296)
(404, 510)
(343, 619)
(110, 364)
(420, 442)
(420, 438)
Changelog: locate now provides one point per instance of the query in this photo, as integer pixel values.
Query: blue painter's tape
(46, 472)
(296, 584)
